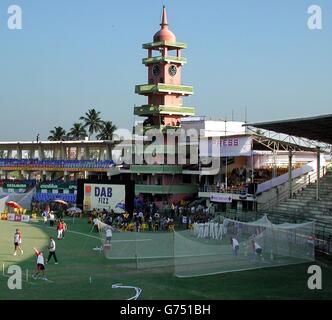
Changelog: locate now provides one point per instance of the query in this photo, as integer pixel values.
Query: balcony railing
(164, 88)
(163, 109)
(157, 169)
(167, 59)
(229, 190)
(166, 189)
(169, 44)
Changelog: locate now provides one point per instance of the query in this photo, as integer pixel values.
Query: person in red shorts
(40, 264)
(60, 230)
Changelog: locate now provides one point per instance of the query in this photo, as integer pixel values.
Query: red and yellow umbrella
(13, 204)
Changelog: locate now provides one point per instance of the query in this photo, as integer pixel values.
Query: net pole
(136, 258)
(174, 262)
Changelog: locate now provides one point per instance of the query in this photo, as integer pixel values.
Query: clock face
(156, 70)
(172, 70)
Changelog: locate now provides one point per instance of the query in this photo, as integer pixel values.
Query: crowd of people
(239, 179)
(150, 218)
(141, 220)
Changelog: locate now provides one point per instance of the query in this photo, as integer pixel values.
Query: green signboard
(8, 185)
(58, 186)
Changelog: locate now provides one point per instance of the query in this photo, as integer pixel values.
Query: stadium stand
(65, 164)
(48, 197)
(305, 203)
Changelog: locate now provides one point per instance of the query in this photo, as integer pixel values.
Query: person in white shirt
(257, 249)
(109, 234)
(17, 242)
(95, 224)
(235, 246)
(40, 264)
(52, 219)
(52, 248)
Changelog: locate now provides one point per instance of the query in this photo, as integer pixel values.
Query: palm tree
(92, 121)
(58, 134)
(107, 131)
(77, 132)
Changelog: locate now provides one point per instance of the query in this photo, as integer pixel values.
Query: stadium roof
(314, 128)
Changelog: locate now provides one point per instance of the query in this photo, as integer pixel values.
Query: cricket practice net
(207, 248)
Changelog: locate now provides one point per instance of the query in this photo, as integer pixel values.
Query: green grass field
(86, 274)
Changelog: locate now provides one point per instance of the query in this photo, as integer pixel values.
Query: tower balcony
(167, 59)
(163, 88)
(168, 44)
(161, 128)
(150, 110)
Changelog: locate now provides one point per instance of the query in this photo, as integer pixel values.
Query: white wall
(214, 128)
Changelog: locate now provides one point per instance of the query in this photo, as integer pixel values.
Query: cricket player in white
(109, 234)
(235, 246)
(40, 264)
(17, 241)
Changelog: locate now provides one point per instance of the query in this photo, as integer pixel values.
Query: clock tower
(161, 181)
(164, 89)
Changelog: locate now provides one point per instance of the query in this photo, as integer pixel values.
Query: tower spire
(164, 22)
(164, 34)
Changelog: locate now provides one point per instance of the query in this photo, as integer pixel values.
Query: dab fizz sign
(103, 196)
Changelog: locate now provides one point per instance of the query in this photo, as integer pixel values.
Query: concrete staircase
(304, 205)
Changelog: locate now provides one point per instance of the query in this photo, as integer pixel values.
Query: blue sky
(73, 55)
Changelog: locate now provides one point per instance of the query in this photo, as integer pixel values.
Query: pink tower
(163, 111)
(164, 90)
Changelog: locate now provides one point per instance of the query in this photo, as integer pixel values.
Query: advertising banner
(58, 186)
(15, 217)
(221, 198)
(227, 147)
(11, 217)
(8, 185)
(103, 196)
(25, 218)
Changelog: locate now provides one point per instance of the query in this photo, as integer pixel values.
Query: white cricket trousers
(60, 234)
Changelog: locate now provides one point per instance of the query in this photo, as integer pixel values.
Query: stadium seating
(48, 197)
(65, 164)
(305, 200)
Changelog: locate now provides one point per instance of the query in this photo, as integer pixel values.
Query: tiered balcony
(167, 59)
(162, 88)
(168, 44)
(149, 110)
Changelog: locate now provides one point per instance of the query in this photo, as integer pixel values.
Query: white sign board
(11, 217)
(25, 218)
(222, 198)
(226, 147)
(103, 196)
